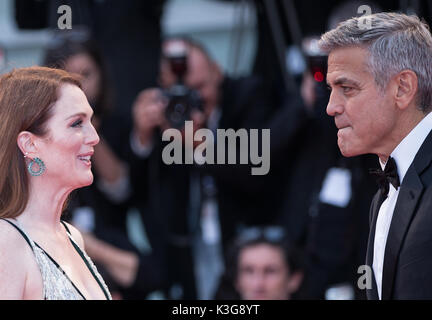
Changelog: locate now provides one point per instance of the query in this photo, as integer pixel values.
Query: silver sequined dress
(56, 283)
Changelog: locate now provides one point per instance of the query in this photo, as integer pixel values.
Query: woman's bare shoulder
(15, 253)
(11, 239)
(76, 235)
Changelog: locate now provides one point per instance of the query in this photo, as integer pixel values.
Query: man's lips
(340, 125)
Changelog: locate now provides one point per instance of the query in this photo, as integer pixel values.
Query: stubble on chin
(344, 148)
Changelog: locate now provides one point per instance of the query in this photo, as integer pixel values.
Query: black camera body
(316, 60)
(182, 100)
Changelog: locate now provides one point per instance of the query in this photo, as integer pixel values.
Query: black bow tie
(389, 175)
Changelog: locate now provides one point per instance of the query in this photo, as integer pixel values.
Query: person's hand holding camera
(148, 114)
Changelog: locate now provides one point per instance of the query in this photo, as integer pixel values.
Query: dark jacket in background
(171, 209)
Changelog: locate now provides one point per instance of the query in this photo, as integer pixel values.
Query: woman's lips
(86, 158)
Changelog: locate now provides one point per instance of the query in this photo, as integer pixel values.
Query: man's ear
(217, 73)
(26, 143)
(294, 282)
(407, 88)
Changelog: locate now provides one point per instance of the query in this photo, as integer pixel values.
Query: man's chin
(347, 152)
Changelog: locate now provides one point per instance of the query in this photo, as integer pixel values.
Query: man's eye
(247, 270)
(346, 89)
(77, 123)
(270, 270)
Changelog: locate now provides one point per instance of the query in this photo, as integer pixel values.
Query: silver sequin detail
(56, 285)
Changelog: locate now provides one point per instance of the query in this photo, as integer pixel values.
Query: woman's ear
(26, 144)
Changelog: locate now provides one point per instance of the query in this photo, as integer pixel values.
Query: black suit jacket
(407, 271)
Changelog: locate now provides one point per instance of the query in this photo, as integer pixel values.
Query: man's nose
(258, 280)
(334, 106)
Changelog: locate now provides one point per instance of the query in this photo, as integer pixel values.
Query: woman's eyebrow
(82, 114)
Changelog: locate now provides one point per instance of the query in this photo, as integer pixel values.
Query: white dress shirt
(403, 155)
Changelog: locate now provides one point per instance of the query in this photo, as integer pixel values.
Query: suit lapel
(376, 203)
(378, 199)
(409, 195)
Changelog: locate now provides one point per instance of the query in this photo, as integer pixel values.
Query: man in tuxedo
(380, 76)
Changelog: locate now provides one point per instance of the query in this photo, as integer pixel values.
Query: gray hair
(395, 42)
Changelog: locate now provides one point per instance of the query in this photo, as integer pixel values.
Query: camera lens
(179, 108)
(181, 102)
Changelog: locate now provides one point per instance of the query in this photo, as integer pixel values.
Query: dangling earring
(40, 164)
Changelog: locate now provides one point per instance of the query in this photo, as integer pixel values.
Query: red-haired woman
(47, 141)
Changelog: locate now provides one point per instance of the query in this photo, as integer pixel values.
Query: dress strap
(66, 227)
(89, 266)
(20, 231)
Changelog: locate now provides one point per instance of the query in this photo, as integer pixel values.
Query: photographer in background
(190, 202)
(127, 32)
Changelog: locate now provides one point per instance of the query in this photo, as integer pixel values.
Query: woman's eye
(77, 123)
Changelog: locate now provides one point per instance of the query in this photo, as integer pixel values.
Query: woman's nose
(93, 137)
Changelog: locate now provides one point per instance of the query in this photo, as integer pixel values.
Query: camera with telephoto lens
(181, 99)
(316, 61)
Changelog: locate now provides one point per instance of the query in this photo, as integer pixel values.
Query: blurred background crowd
(209, 231)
